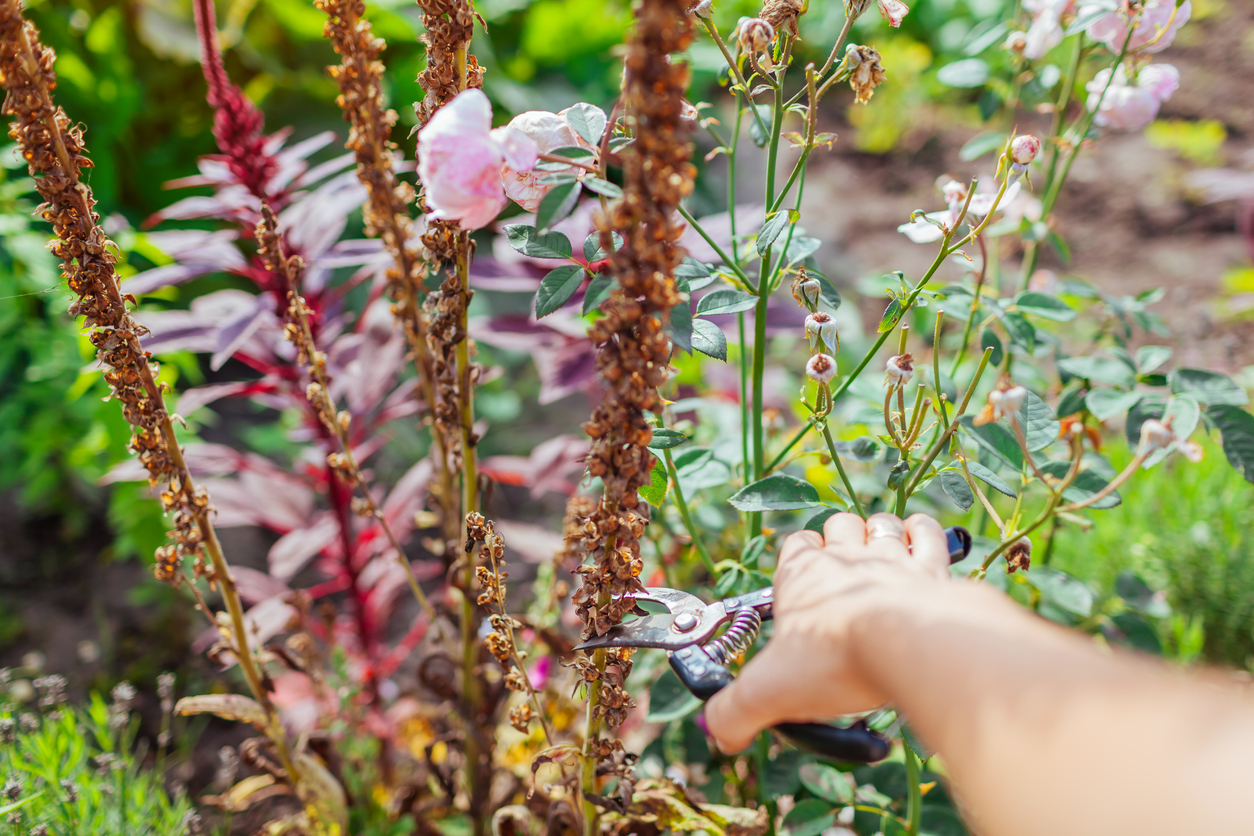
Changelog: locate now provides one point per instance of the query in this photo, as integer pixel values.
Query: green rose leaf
(827, 782)
(664, 439)
(557, 204)
(588, 120)
(725, 302)
(1107, 403)
(1100, 369)
(1045, 306)
(770, 231)
(1086, 483)
(557, 287)
(1207, 387)
(808, 818)
(669, 700)
(957, 489)
(655, 492)
(1237, 428)
(709, 339)
(777, 492)
(599, 289)
(997, 440)
(861, 449)
(526, 240)
(989, 478)
(1151, 357)
(1040, 425)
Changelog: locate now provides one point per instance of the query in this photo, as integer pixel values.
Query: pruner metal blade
(689, 621)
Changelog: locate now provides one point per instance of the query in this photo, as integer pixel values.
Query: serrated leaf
(557, 204)
(815, 523)
(654, 493)
(1107, 403)
(1151, 357)
(861, 449)
(1185, 413)
(709, 339)
(588, 121)
(827, 782)
(827, 290)
(1100, 369)
(680, 326)
(1087, 483)
(801, 248)
(969, 72)
(605, 187)
(996, 439)
(1063, 590)
(557, 287)
(526, 240)
(957, 489)
(892, 315)
(1040, 425)
(990, 478)
(599, 289)
(669, 700)
(777, 492)
(808, 818)
(1207, 387)
(1236, 426)
(725, 302)
(592, 246)
(1022, 333)
(1045, 306)
(692, 269)
(759, 136)
(989, 339)
(227, 706)
(770, 231)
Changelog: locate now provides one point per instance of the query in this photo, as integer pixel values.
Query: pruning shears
(699, 654)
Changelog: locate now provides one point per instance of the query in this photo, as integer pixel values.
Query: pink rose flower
(893, 11)
(1131, 105)
(547, 131)
(460, 159)
(1046, 30)
(1157, 16)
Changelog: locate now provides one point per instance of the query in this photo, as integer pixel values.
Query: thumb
(769, 690)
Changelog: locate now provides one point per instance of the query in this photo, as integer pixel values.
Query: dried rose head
(1024, 149)
(862, 63)
(1016, 42)
(754, 35)
(806, 290)
(899, 369)
(1005, 400)
(703, 9)
(1019, 556)
(820, 325)
(821, 368)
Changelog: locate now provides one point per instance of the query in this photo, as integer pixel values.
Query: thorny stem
(984, 501)
(735, 69)
(936, 376)
(684, 513)
(840, 468)
(1111, 486)
(975, 306)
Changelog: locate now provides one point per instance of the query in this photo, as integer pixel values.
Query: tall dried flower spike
(386, 212)
(55, 153)
(633, 350)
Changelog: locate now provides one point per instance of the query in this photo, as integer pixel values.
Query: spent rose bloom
(1046, 31)
(821, 368)
(1130, 105)
(547, 131)
(924, 229)
(893, 11)
(1156, 17)
(460, 158)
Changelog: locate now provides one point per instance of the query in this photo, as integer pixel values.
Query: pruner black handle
(856, 744)
(959, 541)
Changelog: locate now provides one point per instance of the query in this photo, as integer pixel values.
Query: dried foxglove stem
(298, 332)
(633, 350)
(501, 642)
(386, 212)
(54, 152)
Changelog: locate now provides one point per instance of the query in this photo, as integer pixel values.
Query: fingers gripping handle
(856, 744)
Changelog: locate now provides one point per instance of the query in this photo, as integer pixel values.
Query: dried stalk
(54, 152)
(343, 463)
(386, 212)
(633, 352)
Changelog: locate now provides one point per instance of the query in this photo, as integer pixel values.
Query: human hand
(825, 587)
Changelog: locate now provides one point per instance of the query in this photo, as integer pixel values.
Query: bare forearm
(1044, 733)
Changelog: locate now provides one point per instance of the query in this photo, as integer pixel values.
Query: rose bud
(1024, 149)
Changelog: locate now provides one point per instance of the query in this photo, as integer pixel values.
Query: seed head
(862, 63)
(703, 9)
(821, 368)
(1016, 42)
(1155, 435)
(899, 368)
(820, 325)
(806, 290)
(855, 8)
(1024, 149)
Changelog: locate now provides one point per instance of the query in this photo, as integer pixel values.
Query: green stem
(914, 803)
(684, 514)
(735, 69)
(687, 216)
(745, 461)
(801, 432)
(913, 483)
(840, 468)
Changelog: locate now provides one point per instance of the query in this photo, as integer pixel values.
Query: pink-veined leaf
(293, 551)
